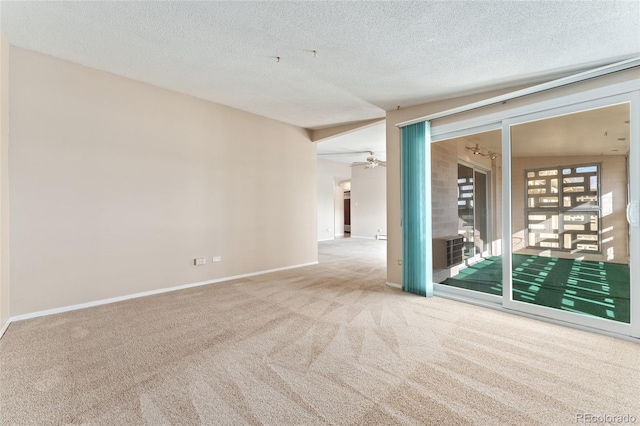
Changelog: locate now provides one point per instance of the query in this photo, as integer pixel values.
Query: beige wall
(394, 117)
(613, 196)
(116, 186)
(368, 202)
(4, 182)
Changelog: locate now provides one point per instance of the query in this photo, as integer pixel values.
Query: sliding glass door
(541, 215)
(465, 175)
(570, 251)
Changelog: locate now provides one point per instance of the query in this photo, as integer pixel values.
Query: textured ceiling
(371, 56)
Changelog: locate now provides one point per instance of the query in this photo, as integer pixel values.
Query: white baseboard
(144, 294)
(363, 238)
(5, 328)
(326, 239)
(394, 285)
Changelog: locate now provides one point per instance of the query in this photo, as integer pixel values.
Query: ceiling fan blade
(343, 153)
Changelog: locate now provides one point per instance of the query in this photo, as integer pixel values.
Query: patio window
(563, 208)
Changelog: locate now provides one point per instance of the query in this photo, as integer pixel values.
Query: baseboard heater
(381, 236)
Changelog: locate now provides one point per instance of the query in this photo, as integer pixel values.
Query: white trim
(147, 293)
(507, 234)
(634, 196)
(394, 285)
(428, 214)
(576, 78)
(363, 238)
(443, 132)
(464, 294)
(493, 121)
(5, 327)
(326, 239)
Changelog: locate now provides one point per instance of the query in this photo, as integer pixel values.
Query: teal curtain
(416, 209)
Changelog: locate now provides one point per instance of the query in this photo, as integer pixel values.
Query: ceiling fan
(370, 162)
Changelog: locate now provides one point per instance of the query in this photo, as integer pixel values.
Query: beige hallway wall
(368, 201)
(116, 186)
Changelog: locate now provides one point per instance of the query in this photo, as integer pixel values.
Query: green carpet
(593, 288)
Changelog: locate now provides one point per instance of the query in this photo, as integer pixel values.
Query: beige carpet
(327, 344)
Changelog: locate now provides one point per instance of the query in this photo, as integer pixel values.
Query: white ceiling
(371, 56)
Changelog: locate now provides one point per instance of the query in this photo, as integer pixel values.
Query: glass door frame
(564, 104)
(455, 293)
(633, 328)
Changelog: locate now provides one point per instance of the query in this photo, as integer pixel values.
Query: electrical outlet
(400, 262)
(216, 259)
(199, 261)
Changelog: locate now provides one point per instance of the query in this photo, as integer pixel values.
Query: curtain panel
(416, 209)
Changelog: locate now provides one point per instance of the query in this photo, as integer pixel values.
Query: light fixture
(477, 150)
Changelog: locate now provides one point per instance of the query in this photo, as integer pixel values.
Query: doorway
(347, 214)
(473, 207)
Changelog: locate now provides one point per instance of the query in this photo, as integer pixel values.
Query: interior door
(347, 215)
